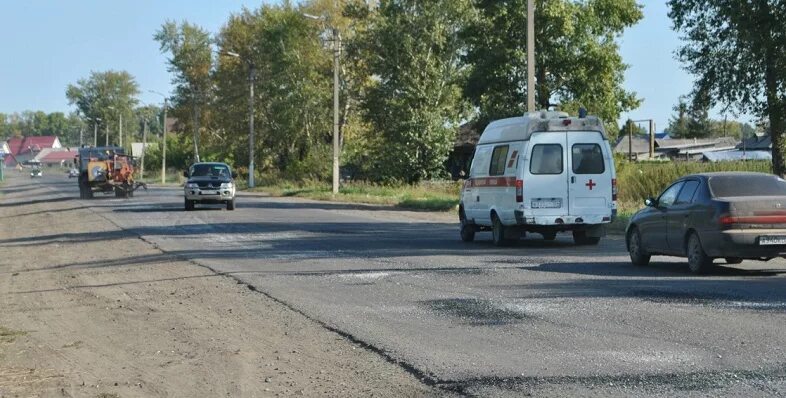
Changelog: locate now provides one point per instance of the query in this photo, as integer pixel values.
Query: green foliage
(415, 104)
(638, 181)
(293, 122)
(107, 96)
(178, 154)
(737, 49)
(577, 58)
(190, 61)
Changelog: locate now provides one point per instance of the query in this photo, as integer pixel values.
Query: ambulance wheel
(581, 238)
(466, 229)
(549, 235)
(498, 231)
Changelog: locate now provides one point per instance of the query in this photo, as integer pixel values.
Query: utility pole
(336, 121)
(530, 55)
(336, 149)
(120, 127)
(163, 152)
(630, 140)
(144, 147)
(251, 139)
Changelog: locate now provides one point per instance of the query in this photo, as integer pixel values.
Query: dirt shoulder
(75, 321)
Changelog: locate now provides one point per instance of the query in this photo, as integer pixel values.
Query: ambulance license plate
(772, 240)
(547, 203)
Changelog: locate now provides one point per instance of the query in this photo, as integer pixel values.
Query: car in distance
(729, 215)
(36, 172)
(209, 183)
(73, 173)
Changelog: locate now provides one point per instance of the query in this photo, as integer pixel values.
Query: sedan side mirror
(650, 202)
(234, 174)
(185, 174)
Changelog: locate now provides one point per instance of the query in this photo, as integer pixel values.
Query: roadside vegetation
(425, 196)
(636, 181)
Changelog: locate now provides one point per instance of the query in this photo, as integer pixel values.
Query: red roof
(58, 156)
(19, 146)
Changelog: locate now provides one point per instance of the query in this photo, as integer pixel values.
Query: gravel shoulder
(76, 320)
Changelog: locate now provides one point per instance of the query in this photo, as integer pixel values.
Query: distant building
(672, 148)
(57, 157)
(26, 148)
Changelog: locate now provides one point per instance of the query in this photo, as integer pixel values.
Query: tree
(638, 130)
(107, 96)
(737, 50)
(577, 60)
(678, 125)
(293, 90)
(415, 103)
(191, 60)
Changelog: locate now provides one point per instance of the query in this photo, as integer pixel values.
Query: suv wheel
(189, 205)
(231, 204)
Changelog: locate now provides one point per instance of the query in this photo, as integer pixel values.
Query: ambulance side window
(498, 160)
(546, 159)
(479, 161)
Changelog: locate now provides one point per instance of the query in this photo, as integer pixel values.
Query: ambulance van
(544, 172)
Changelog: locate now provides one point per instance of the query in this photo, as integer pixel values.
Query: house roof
(56, 156)
(639, 145)
(720, 156)
(756, 143)
(19, 146)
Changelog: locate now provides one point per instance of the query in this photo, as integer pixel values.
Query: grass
(154, 176)
(8, 335)
(428, 196)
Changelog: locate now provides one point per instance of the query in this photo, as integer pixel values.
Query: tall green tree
(577, 60)
(293, 81)
(191, 61)
(108, 96)
(415, 104)
(737, 50)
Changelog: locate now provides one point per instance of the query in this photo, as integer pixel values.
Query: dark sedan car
(733, 216)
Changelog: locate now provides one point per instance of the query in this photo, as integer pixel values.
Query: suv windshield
(747, 185)
(209, 170)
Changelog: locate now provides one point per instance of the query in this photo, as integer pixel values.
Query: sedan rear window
(747, 185)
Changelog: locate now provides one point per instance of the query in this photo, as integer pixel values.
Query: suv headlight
(227, 185)
(192, 185)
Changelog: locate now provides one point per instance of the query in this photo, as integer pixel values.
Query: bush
(638, 181)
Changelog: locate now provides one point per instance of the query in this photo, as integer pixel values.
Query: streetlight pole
(530, 55)
(336, 148)
(336, 120)
(144, 148)
(251, 139)
(163, 139)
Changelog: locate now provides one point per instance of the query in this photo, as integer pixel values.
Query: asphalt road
(540, 318)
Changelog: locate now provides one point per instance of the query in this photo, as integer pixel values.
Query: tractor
(106, 169)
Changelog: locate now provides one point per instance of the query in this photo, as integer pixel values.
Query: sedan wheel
(638, 255)
(698, 261)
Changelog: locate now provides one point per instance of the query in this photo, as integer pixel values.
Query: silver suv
(209, 183)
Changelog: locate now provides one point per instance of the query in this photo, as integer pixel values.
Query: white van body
(544, 172)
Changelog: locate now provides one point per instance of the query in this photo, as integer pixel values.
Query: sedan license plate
(547, 203)
(772, 240)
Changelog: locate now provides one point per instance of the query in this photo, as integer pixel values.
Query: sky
(49, 44)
